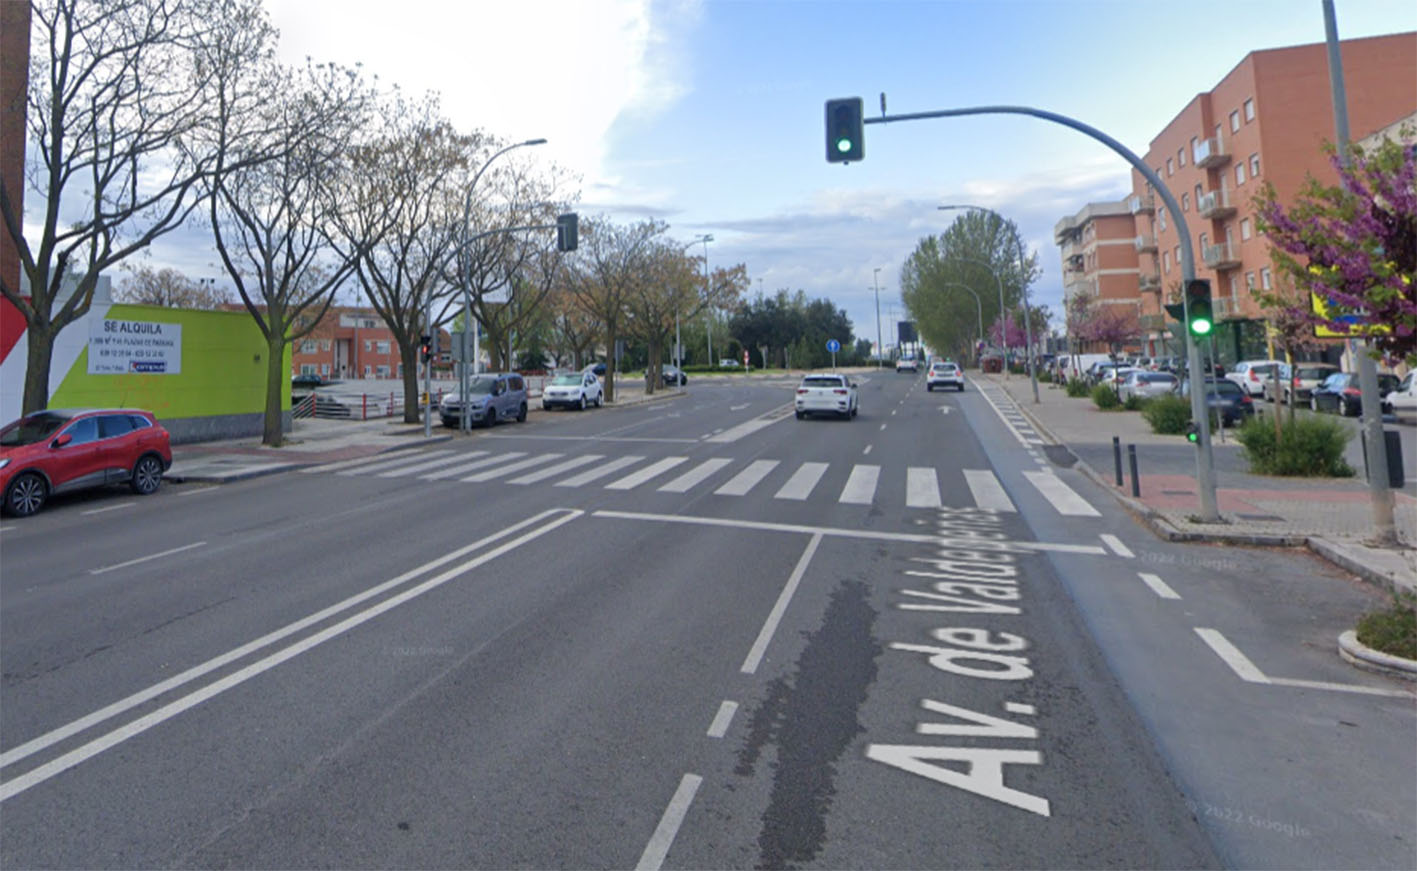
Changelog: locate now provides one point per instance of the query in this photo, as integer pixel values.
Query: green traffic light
(1200, 327)
(843, 144)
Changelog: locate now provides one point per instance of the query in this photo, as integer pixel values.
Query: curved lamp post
(977, 302)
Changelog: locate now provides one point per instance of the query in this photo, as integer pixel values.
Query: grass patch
(1307, 446)
(1168, 415)
(1077, 388)
(1105, 398)
(1393, 630)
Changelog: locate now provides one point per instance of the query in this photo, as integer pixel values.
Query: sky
(708, 114)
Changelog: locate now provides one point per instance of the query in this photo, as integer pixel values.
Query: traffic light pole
(1205, 466)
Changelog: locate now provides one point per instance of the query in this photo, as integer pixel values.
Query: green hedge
(1168, 415)
(1307, 446)
(1077, 388)
(1135, 403)
(1105, 398)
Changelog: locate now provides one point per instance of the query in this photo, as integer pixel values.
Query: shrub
(1307, 446)
(1168, 415)
(1135, 403)
(1077, 388)
(1045, 376)
(1105, 398)
(1392, 630)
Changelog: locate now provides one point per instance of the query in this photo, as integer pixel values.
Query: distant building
(353, 342)
(1100, 248)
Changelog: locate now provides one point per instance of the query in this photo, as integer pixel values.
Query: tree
(1355, 244)
(121, 96)
(145, 285)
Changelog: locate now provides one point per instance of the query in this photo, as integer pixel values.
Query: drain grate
(1267, 518)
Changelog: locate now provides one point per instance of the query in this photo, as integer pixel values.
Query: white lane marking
(143, 559)
(760, 645)
(922, 488)
(747, 479)
(719, 727)
(599, 472)
(1231, 655)
(455, 471)
(509, 468)
(739, 407)
(883, 426)
(800, 485)
(694, 476)
(417, 467)
(1062, 497)
(944, 409)
(109, 508)
(663, 838)
(552, 471)
(1020, 708)
(733, 434)
(635, 479)
(195, 491)
(866, 451)
(1017, 434)
(35, 745)
(893, 411)
(988, 493)
(1158, 586)
(386, 463)
(1337, 687)
(860, 485)
(11, 788)
(593, 438)
(1115, 543)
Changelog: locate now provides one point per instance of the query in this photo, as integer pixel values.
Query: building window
(368, 345)
(325, 369)
(368, 370)
(308, 347)
(1166, 261)
(1244, 229)
(1180, 157)
(1176, 256)
(1239, 174)
(1264, 278)
(1185, 202)
(1161, 217)
(1205, 240)
(307, 368)
(383, 371)
(1250, 280)
(1235, 121)
(383, 347)
(1170, 167)
(1250, 109)
(324, 344)
(1234, 287)
(1200, 192)
(1254, 165)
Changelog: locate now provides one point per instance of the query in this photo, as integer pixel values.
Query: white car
(1147, 385)
(576, 390)
(826, 394)
(1403, 400)
(1252, 374)
(907, 364)
(944, 373)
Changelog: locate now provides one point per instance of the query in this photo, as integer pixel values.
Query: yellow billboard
(1324, 309)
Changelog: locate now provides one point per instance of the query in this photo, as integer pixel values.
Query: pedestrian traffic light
(845, 142)
(425, 347)
(1198, 310)
(567, 231)
(1193, 433)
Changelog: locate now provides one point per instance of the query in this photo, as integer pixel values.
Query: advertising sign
(1324, 309)
(134, 347)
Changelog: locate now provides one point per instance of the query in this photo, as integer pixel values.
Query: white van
(1074, 365)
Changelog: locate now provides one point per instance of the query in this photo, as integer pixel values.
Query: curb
(1334, 554)
(295, 463)
(1368, 659)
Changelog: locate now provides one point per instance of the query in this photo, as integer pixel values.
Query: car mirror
(854, 384)
(61, 440)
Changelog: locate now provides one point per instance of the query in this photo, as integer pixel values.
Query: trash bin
(1396, 475)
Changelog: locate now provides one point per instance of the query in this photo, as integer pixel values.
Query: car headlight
(4, 462)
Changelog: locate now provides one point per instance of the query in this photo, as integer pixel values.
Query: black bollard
(1117, 457)
(1136, 482)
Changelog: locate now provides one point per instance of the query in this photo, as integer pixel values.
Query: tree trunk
(654, 367)
(40, 352)
(272, 435)
(611, 336)
(408, 355)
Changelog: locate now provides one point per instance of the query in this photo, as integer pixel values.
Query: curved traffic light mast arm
(1205, 468)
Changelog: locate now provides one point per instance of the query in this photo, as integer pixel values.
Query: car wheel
(801, 414)
(147, 475)
(521, 413)
(599, 400)
(489, 418)
(581, 405)
(27, 494)
(960, 388)
(854, 409)
(929, 388)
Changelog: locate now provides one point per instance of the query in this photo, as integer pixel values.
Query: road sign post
(833, 346)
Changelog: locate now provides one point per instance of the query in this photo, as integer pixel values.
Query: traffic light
(1177, 311)
(845, 141)
(567, 231)
(1198, 310)
(1193, 433)
(425, 347)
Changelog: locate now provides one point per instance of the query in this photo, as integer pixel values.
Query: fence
(350, 405)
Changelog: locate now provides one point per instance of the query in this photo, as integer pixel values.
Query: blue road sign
(833, 345)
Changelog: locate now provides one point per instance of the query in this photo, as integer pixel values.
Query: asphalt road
(696, 633)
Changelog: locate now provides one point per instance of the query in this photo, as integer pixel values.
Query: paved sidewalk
(319, 440)
(1333, 517)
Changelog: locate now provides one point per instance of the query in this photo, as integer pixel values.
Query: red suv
(71, 449)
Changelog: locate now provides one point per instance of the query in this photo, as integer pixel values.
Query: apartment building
(353, 342)
(1265, 120)
(1101, 255)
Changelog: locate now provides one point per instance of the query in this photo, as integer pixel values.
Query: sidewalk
(319, 440)
(1333, 517)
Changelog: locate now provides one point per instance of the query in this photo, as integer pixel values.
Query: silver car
(1146, 385)
(492, 397)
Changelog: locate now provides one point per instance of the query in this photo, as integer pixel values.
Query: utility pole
(880, 348)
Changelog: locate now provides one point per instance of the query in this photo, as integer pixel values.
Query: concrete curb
(1335, 554)
(294, 463)
(1368, 659)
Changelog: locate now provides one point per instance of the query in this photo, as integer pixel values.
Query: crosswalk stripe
(860, 486)
(800, 485)
(346, 464)
(599, 472)
(694, 476)
(419, 467)
(552, 471)
(922, 488)
(1063, 497)
(397, 461)
(635, 479)
(457, 470)
(512, 467)
(988, 493)
(747, 479)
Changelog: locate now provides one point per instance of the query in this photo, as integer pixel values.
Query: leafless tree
(145, 285)
(119, 100)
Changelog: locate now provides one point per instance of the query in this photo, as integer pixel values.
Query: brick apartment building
(354, 342)
(1266, 120)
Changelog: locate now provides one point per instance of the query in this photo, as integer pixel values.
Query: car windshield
(822, 381)
(1312, 372)
(568, 380)
(482, 385)
(1227, 388)
(32, 429)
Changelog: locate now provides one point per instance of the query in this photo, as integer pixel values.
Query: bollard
(1117, 457)
(1132, 459)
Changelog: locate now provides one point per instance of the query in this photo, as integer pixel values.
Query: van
(1074, 365)
(492, 397)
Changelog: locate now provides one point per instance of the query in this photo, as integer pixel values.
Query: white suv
(1252, 374)
(907, 364)
(944, 373)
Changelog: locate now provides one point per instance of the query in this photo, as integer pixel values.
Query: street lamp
(977, 302)
(464, 424)
(708, 292)
(880, 348)
(1023, 281)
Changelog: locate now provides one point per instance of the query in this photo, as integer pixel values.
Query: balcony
(1215, 204)
(1148, 282)
(1227, 308)
(1221, 256)
(1152, 322)
(1145, 243)
(1210, 152)
(1141, 205)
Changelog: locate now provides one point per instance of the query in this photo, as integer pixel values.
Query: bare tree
(145, 285)
(116, 108)
(673, 292)
(613, 260)
(573, 333)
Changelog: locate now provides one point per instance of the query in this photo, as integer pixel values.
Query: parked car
(59, 450)
(728, 363)
(944, 373)
(1297, 381)
(1402, 401)
(1227, 399)
(1340, 393)
(575, 390)
(596, 369)
(907, 364)
(307, 381)
(1252, 374)
(670, 376)
(826, 394)
(1144, 384)
(492, 397)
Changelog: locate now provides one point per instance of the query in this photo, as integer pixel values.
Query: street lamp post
(1023, 281)
(875, 283)
(464, 424)
(708, 293)
(979, 304)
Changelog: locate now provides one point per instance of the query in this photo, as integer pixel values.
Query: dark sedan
(1340, 393)
(671, 375)
(1224, 397)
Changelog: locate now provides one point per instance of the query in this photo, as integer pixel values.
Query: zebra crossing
(794, 482)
